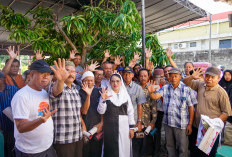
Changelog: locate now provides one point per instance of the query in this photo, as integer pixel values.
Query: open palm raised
(104, 94)
(60, 72)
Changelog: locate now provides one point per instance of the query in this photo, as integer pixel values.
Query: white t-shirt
(26, 104)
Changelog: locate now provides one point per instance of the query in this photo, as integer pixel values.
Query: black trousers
(9, 143)
(70, 149)
(158, 125)
(50, 152)
(93, 148)
(194, 151)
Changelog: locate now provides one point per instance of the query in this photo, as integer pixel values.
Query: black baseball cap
(213, 71)
(40, 66)
(128, 69)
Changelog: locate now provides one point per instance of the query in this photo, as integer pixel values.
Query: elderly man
(108, 71)
(68, 123)
(178, 101)
(11, 69)
(32, 115)
(6, 125)
(213, 102)
(90, 98)
(137, 98)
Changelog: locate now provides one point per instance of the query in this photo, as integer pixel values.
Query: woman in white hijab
(118, 117)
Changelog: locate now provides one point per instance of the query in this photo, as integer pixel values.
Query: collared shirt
(176, 103)
(149, 109)
(105, 83)
(18, 80)
(79, 69)
(92, 117)
(211, 103)
(67, 120)
(137, 96)
(5, 101)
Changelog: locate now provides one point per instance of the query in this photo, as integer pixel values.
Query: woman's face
(227, 76)
(115, 83)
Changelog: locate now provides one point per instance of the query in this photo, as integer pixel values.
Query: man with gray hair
(68, 122)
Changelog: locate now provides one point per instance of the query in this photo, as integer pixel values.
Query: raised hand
(86, 88)
(60, 72)
(148, 53)
(11, 52)
(39, 55)
(151, 86)
(47, 114)
(104, 94)
(150, 66)
(137, 56)
(132, 63)
(93, 66)
(107, 53)
(117, 60)
(169, 52)
(197, 73)
(72, 54)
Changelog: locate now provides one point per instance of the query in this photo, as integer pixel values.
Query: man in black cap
(178, 101)
(213, 102)
(137, 98)
(6, 125)
(32, 115)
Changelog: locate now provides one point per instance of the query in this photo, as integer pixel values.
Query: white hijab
(121, 97)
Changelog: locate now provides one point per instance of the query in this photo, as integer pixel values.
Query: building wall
(219, 57)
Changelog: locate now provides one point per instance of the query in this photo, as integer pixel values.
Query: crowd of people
(108, 110)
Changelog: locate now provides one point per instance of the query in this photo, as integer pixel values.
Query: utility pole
(143, 34)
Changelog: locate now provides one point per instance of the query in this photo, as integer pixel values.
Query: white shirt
(26, 104)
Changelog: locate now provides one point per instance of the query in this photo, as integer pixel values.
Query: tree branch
(63, 33)
(91, 46)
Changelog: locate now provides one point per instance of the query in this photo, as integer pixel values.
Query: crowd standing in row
(55, 107)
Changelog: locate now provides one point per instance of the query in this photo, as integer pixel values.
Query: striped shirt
(176, 103)
(67, 120)
(5, 101)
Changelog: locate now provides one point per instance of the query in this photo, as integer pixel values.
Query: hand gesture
(189, 129)
(104, 94)
(60, 72)
(39, 55)
(11, 52)
(150, 66)
(148, 53)
(47, 114)
(132, 63)
(86, 88)
(169, 52)
(93, 66)
(107, 53)
(136, 56)
(197, 73)
(117, 60)
(72, 54)
(139, 125)
(131, 133)
(151, 86)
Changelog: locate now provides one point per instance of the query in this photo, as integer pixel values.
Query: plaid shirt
(176, 103)
(67, 121)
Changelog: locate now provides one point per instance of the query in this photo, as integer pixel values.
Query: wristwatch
(139, 120)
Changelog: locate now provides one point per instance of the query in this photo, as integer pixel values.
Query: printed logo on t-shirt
(42, 107)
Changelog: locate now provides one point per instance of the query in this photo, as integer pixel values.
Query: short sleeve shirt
(176, 103)
(137, 96)
(67, 120)
(211, 103)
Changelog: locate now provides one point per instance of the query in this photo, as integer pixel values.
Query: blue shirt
(5, 101)
(176, 103)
